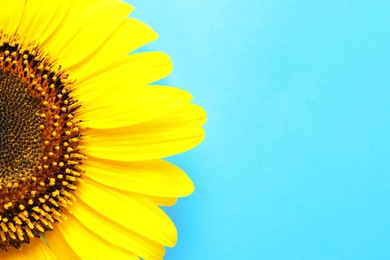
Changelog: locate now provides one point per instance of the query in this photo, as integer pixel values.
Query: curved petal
(147, 219)
(41, 18)
(115, 233)
(14, 254)
(122, 76)
(113, 110)
(59, 246)
(162, 201)
(10, 15)
(130, 35)
(164, 136)
(36, 249)
(153, 178)
(72, 41)
(87, 244)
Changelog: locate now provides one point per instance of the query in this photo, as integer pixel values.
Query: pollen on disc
(20, 136)
(40, 155)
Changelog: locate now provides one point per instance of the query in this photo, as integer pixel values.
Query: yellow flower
(83, 131)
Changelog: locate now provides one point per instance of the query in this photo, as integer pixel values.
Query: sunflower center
(20, 136)
(40, 155)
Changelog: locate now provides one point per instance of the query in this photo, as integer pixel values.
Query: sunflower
(83, 131)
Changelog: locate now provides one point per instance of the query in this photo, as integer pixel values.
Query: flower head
(83, 131)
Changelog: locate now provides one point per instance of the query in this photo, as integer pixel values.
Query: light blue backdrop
(295, 164)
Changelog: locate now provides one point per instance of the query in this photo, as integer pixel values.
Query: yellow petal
(87, 244)
(133, 212)
(87, 26)
(112, 110)
(122, 76)
(161, 201)
(41, 18)
(37, 249)
(115, 233)
(10, 14)
(59, 246)
(164, 136)
(153, 178)
(130, 35)
(14, 254)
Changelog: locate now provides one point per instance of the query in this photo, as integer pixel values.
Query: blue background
(295, 164)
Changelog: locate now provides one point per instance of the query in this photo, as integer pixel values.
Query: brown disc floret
(40, 155)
